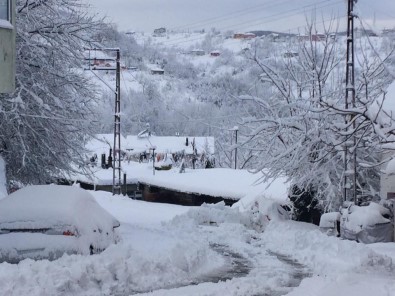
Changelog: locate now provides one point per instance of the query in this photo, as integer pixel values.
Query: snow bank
(148, 257)
(328, 220)
(120, 270)
(325, 255)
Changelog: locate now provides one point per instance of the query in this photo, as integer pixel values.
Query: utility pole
(350, 193)
(116, 151)
(116, 180)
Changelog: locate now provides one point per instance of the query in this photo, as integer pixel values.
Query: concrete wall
(7, 52)
(158, 194)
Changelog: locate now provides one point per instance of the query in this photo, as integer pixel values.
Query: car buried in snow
(48, 221)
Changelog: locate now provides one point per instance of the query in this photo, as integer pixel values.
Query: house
(318, 37)
(290, 54)
(215, 53)
(157, 71)
(244, 36)
(7, 46)
(249, 36)
(312, 37)
(238, 36)
(197, 52)
(159, 32)
(98, 59)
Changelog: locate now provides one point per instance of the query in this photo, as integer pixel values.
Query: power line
(231, 15)
(268, 19)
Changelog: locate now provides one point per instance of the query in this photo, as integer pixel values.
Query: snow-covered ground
(174, 250)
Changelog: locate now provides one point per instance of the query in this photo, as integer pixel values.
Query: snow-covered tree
(44, 121)
(300, 127)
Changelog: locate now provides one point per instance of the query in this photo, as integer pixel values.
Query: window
(5, 10)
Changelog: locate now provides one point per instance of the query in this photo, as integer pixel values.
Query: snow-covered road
(208, 250)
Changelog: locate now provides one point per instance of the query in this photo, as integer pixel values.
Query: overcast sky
(238, 15)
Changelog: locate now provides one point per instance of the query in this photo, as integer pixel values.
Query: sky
(239, 15)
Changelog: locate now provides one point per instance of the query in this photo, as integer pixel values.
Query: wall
(162, 195)
(7, 52)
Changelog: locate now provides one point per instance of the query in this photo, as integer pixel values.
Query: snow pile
(119, 270)
(328, 220)
(213, 214)
(325, 255)
(148, 257)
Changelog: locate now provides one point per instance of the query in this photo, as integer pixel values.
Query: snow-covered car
(47, 221)
(366, 224)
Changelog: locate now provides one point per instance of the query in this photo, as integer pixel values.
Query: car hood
(43, 206)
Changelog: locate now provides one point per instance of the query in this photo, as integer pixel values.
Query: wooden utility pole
(350, 173)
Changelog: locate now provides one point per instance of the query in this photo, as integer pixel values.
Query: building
(198, 52)
(7, 46)
(98, 60)
(157, 71)
(215, 53)
(244, 36)
(290, 54)
(159, 32)
(312, 37)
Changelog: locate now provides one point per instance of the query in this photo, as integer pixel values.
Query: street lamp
(235, 129)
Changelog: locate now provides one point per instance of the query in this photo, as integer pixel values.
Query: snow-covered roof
(169, 144)
(102, 143)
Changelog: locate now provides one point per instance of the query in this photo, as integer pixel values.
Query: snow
(3, 180)
(359, 218)
(64, 205)
(6, 24)
(329, 219)
(165, 248)
(390, 168)
(169, 144)
(102, 143)
(54, 210)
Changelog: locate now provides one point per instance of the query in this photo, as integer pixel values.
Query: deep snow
(168, 250)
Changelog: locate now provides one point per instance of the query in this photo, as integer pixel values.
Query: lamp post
(235, 129)
(153, 159)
